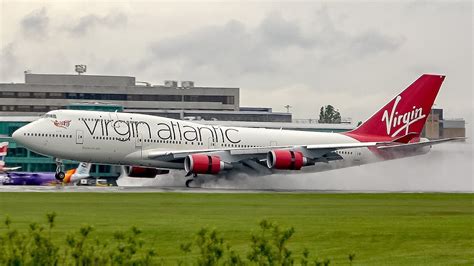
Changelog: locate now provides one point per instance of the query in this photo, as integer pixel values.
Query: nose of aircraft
(18, 135)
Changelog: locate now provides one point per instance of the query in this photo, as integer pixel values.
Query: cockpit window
(49, 116)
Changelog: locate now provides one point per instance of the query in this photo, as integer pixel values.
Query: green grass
(434, 229)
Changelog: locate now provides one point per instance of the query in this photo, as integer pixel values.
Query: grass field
(396, 229)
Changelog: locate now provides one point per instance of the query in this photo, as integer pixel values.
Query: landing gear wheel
(59, 170)
(60, 176)
(188, 182)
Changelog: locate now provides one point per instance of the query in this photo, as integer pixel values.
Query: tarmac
(142, 189)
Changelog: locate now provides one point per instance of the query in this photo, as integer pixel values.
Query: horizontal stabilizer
(407, 138)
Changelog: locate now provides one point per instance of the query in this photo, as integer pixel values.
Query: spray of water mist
(446, 168)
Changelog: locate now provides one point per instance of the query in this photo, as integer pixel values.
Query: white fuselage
(127, 139)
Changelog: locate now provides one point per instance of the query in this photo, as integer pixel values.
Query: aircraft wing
(6, 169)
(416, 145)
(231, 155)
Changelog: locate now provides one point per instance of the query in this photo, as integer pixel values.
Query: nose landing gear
(59, 175)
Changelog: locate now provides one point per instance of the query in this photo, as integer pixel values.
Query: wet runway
(114, 189)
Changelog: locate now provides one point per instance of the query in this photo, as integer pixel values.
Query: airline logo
(62, 124)
(394, 120)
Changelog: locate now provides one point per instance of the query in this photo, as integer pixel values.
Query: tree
(329, 115)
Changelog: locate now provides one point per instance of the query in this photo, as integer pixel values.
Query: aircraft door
(79, 137)
(139, 144)
(211, 144)
(139, 141)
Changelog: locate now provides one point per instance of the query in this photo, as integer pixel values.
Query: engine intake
(286, 160)
(203, 164)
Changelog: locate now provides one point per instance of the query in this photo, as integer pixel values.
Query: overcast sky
(353, 55)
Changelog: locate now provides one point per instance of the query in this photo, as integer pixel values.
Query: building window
(158, 98)
(23, 94)
(7, 94)
(56, 95)
(23, 108)
(230, 100)
(17, 152)
(39, 95)
(40, 108)
(104, 168)
(209, 98)
(71, 95)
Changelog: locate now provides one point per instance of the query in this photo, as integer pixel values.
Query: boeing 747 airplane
(152, 144)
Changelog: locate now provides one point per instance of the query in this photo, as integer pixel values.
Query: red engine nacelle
(145, 172)
(203, 164)
(286, 159)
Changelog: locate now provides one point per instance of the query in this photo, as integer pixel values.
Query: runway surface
(114, 189)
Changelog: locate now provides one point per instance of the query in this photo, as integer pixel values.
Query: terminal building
(437, 126)
(45, 92)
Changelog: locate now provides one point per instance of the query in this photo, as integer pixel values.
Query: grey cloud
(372, 42)
(339, 46)
(280, 32)
(8, 61)
(87, 23)
(233, 48)
(35, 24)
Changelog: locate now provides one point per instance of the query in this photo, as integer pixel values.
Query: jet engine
(144, 172)
(203, 164)
(286, 160)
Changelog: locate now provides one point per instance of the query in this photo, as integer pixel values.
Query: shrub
(34, 246)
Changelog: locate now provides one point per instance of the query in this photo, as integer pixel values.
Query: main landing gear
(188, 182)
(59, 175)
(191, 180)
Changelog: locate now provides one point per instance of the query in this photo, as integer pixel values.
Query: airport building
(437, 126)
(44, 92)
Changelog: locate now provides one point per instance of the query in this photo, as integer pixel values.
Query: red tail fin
(406, 113)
